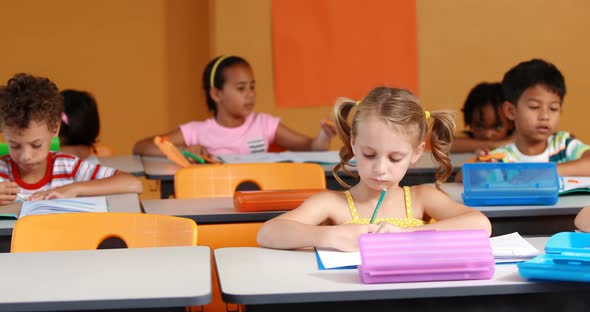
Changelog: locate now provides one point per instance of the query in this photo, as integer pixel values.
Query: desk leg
(166, 188)
(5, 243)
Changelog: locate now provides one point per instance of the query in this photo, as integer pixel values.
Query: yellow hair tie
(357, 103)
(214, 69)
(427, 114)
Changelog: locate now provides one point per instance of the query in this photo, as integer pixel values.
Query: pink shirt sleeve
(190, 132)
(269, 124)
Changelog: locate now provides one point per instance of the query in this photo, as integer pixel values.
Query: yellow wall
(143, 58)
(140, 58)
(243, 28)
(460, 43)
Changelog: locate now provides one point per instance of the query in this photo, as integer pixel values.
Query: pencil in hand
(379, 202)
(188, 154)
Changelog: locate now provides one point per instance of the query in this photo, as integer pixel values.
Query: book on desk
(64, 205)
(568, 185)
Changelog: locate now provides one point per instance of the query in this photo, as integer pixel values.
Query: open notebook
(38, 207)
(509, 248)
(573, 185)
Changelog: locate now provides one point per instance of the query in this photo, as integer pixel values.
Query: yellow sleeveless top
(405, 222)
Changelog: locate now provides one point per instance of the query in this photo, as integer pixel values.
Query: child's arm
(295, 141)
(582, 221)
(147, 146)
(470, 145)
(578, 167)
(8, 191)
(121, 182)
(449, 214)
(301, 227)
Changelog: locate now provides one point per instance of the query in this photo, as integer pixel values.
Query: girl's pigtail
(441, 138)
(342, 110)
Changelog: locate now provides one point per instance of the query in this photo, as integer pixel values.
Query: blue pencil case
(566, 258)
(501, 184)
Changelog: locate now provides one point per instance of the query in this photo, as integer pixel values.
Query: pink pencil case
(425, 256)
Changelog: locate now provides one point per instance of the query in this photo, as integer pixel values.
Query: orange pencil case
(252, 201)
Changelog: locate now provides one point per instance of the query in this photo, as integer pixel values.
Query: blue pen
(379, 202)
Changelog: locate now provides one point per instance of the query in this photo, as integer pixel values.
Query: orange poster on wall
(324, 49)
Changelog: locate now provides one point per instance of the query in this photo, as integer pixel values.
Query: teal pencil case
(502, 184)
(566, 258)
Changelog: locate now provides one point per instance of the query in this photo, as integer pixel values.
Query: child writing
(30, 111)
(487, 126)
(387, 135)
(228, 82)
(534, 99)
(80, 125)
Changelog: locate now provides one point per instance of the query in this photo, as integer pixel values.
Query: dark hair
(83, 123)
(529, 74)
(27, 98)
(401, 109)
(219, 76)
(481, 95)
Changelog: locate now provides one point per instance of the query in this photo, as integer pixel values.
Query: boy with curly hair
(30, 111)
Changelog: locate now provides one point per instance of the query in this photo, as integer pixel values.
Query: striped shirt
(62, 169)
(561, 147)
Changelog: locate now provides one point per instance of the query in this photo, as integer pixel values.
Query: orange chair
(222, 180)
(86, 231)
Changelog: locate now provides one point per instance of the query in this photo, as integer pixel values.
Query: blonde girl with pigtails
(385, 137)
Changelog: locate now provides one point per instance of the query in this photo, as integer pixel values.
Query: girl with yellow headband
(234, 128)
(387, 135)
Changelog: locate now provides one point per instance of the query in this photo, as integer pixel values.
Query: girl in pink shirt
(235, 128)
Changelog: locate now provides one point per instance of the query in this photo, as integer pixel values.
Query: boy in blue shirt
(534, 93)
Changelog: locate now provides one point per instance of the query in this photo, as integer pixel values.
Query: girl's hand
(322, 141)
(385, 227)
(198, 150)
(66, 191)
(328, 128)
(8, 191)
(345, 237)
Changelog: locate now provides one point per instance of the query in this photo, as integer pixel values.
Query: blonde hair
(401, 109)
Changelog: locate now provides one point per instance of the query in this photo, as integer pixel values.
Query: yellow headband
(427, 114)
(357, 103)
(214, 69)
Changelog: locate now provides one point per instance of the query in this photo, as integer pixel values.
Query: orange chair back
(222, 180)
(86, 231)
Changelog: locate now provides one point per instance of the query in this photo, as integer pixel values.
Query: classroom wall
(140, 58)
(243, 28)
(460, 43)
(143, 58)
